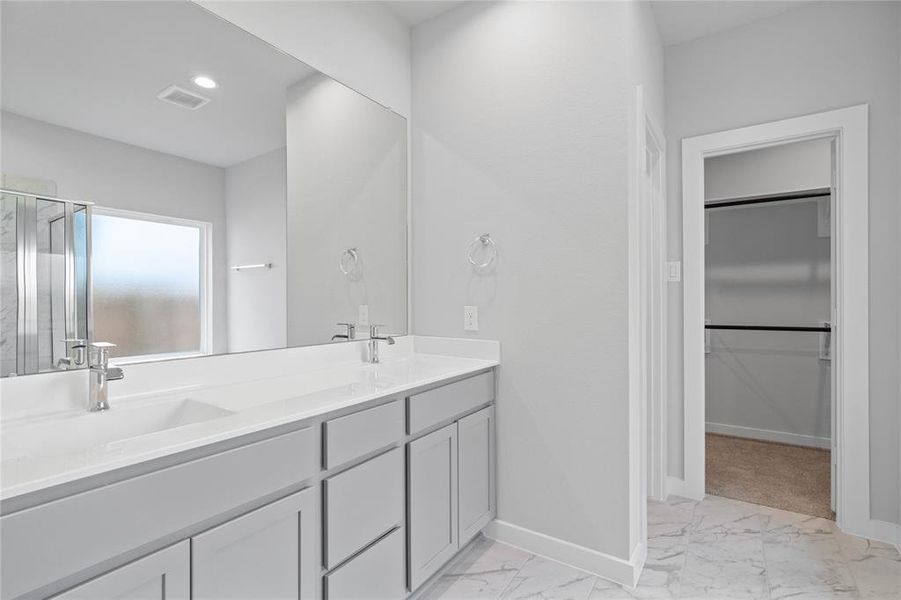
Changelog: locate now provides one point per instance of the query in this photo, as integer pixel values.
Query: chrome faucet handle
(76, 352)
(114, 373)
(350, 334)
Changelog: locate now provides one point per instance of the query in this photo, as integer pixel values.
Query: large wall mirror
(178, 187)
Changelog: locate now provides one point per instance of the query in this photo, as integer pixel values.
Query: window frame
(205, 229)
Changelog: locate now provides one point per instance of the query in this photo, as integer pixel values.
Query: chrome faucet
(350, 335)
(374, 339)
(100, 376)
(76, 354)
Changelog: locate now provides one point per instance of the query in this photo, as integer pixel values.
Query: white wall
(645, 56)
(347, 188)
(255, 192)
(767, 265)
(814, 58)
(520, 129)
(116, 175)
(360, 44)
(787, 168)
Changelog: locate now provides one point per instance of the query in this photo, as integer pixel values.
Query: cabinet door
(432, 464)
(268, 553)
(475, 441)
(163, 575)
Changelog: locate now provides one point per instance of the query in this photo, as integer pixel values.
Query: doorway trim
(652, 256)
(646, 214)
(850, 302)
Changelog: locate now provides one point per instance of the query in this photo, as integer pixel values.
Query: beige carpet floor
(779, 475)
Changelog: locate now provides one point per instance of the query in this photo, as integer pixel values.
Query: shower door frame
(848, 127)
(27, 353)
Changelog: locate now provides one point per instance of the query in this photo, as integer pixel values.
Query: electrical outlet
(470, 318)
(363, 315)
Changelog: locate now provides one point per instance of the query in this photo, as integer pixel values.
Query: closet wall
(768, 264)
(778, 68)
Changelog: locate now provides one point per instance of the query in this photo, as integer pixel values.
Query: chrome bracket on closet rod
(802, 195)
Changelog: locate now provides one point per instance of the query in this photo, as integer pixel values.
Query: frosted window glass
(147, 286)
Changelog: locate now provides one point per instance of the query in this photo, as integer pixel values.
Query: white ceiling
(98, 67)
(414, 12)
(685, 20)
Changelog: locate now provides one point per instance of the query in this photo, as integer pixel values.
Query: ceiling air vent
(182, 97)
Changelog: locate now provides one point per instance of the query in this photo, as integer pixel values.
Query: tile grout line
(512, 579)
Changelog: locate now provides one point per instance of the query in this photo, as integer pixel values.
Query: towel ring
(485, 242)
(349, 263)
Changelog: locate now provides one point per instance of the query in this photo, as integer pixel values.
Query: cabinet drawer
(362, 504)
(350, 437)
(45, 543)
(446, 402)
(377, 574)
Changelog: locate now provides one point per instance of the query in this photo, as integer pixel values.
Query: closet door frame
(850, 299)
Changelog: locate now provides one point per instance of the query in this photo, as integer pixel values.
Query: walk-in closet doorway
(844, 338)
(768, 299)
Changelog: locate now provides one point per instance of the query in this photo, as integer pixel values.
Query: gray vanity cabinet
(163, 575)
(341, 537)
(267, 553)
(475, 456)
(432, 507)
(450, 488)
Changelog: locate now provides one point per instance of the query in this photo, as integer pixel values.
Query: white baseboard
(676, 486)
(769, 435)
(881, 531)
(618, 570)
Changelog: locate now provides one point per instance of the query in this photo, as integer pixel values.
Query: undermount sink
(89, 430)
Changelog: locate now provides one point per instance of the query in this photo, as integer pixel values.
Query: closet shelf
(824, 328)
(800, 195)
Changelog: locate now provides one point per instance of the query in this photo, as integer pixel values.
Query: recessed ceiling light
(204, 82)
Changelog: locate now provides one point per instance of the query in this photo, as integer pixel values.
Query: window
(151, 295)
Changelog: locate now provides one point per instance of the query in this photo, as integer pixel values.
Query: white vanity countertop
(220, 411)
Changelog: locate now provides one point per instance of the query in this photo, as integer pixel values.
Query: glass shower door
(44, 296)
(9, 296)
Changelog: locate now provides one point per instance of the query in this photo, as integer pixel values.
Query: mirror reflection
(43, 284)
(230, 197)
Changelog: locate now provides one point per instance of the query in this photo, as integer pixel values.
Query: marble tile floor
(717, 549)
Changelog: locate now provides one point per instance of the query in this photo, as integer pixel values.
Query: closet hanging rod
(814, 193)
(825, 328)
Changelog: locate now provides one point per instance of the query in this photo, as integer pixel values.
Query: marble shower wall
(8, 292)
